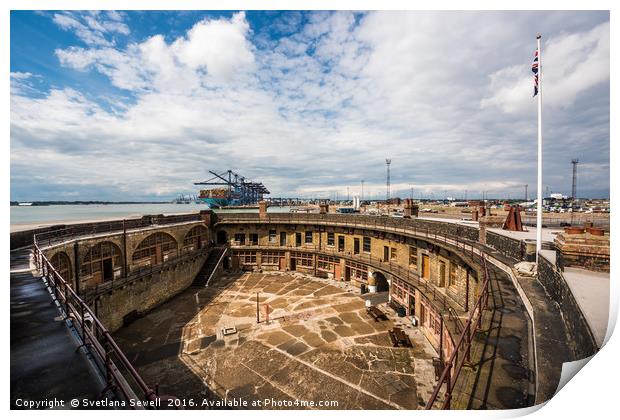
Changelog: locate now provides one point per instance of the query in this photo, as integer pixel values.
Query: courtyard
(317, 345)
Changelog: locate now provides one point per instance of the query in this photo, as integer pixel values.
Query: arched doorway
(102, 262)
(155, 249)
(381, 282)
(62, 264)
(222, 237)
(195, 239)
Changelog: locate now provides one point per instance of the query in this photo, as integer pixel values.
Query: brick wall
(145, 293)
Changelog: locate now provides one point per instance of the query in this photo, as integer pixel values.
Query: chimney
(411, 210)
(262, 209)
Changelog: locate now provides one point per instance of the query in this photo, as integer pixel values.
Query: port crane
(239, 187)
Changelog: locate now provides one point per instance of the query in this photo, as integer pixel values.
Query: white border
(590, 395)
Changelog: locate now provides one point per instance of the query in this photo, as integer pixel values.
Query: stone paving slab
(318, 345)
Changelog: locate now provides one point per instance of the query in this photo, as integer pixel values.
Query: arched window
(196, 238)
(61, 262)
(155, 249)
(102, 261)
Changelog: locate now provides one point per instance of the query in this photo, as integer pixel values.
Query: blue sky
(139, 105)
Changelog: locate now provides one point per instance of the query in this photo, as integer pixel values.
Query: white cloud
(319, 109)
(213, 50)
(572, 63)
(92, 27)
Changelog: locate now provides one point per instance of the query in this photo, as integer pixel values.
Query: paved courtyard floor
(319, 345)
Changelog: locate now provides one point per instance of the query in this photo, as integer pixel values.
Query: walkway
(44, 361)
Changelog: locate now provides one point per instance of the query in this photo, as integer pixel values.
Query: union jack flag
(535, 71)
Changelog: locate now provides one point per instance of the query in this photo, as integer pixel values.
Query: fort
(366, 311)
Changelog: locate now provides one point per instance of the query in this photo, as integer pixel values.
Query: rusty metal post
(257, 309)
(468, 342)
(448, 388)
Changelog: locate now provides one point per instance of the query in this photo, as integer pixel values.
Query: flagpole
(540, 150)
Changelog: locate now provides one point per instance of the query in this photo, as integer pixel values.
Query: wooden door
(337, 271)
(426, 269)
(282, 263)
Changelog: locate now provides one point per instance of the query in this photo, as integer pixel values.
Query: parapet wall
(511, 247)
(582, 340)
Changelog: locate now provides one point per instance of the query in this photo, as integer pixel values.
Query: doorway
(356, 245)
(381, 282)
(386, 253)
(298, 239)
(108, 270)
(222, 238)
(426, 269)
(411, 305)
(442, 274)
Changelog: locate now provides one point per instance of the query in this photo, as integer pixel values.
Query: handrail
(96, 336)
(437, 299)
(473, 324)
(219, 261)
(80, 229)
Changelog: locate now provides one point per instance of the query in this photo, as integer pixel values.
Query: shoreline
(19, 227)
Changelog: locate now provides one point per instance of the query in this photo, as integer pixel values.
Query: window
(297, 238)
(340, 243)
(247, 257)
(356, 245)
(330, 238)
(253, 238)
(240, 238)
(303, 259)
(282, 238)
(453, 275)
(393, 254)
(196, 238)
(155, 248)
(413, 257)
(104, 257)
(61, 262)
(272, 236)
(271, 258)
(308, 237)
(357, 271)
(366, 247)
(326, 263)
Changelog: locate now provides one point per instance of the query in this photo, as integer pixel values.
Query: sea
(31, 216)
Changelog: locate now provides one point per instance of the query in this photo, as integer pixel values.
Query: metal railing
(223, 251)
(393, 223)
(140, 272)
(68, 232)
(120, 375)
(439, 300)
(461, 352)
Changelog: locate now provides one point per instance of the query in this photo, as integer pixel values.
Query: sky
(131, 105)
